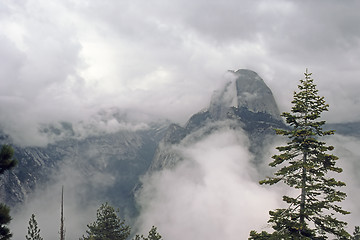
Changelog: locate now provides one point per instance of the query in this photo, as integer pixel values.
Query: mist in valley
(73, 72)
(212, 192)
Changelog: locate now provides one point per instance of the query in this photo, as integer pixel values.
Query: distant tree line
(107, 226)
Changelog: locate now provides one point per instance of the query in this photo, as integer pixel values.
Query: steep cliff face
(243, 103)
(34, 165)
(109, 165)
(248, 90)
(104, 167)
(246, 103)
(254, 94)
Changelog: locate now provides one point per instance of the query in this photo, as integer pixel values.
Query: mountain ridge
(227, 106)
(244, 104)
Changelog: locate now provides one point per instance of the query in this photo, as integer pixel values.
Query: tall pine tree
(108, 226)
(304, 164)
(33, 230)
(6, 163)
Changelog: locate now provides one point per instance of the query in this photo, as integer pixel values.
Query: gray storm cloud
(66, 60)
(74, 61)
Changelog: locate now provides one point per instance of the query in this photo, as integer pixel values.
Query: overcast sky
(67, 60)
(64, 60)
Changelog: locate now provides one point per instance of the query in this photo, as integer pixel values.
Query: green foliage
(6, 158)
(356, 234)
(266, 236)
(108, 226)
(33, 230)
(6, 163)
(4, 220)
(303, 164)
(153, 235)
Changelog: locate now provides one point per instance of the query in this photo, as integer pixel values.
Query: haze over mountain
(92, 93)
(162, 173)
(244, 103)
(67, 60)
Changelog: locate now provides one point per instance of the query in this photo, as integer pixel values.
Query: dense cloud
(211, 194)
(346, 150)
(101, 66)
(83, 195)
(66, 60)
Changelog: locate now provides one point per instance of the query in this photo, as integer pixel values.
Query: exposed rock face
(246, 103)
(33, 164)
(254, 94)
(106, 167)
(249, 91)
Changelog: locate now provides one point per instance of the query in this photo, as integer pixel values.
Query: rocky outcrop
(105, 167)
(245, 103)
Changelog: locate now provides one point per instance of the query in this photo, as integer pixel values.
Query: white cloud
(212, 193)
(80, 203)
(346, 150)
(67, 59)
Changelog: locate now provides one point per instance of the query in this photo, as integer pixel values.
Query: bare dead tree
(62, 230)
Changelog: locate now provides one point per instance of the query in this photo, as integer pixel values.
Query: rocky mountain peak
(246, 90)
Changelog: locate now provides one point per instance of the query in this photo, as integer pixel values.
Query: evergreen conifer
(153, 235)
(108, 226)
(356, 234)
(33, 230)
(304, 164)
(6, 163)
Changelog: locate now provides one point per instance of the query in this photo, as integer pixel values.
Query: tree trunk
(62, 231)
(303, 190)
